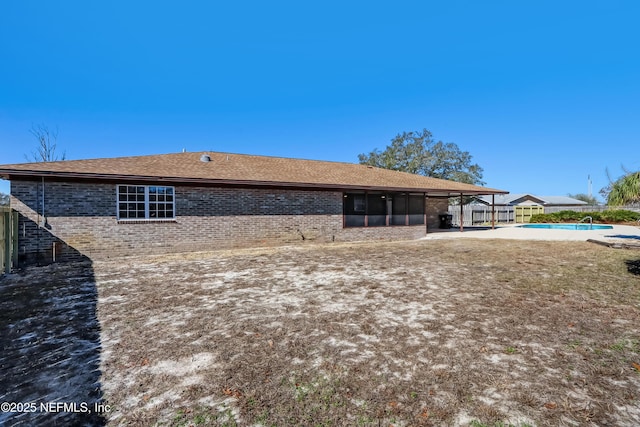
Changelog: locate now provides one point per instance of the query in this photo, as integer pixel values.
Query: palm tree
(625, 191)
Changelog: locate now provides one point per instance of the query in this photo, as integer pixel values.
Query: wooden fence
(8, 239)
(524, 213)
(481, 214)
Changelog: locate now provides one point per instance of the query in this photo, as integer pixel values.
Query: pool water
(569, 226)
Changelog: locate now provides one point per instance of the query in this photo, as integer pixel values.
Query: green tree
(585, 198)
(418, 153)
(625, 190)
(47, 143)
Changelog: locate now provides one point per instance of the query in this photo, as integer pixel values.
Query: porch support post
(406, 209)
(424, 216)
(493, 211)
(366, 209)
(461, 214)
(344, 210)
(388, 201)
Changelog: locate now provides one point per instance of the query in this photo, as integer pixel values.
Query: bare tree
(47, 142)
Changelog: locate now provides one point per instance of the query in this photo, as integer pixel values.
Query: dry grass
(449, 332)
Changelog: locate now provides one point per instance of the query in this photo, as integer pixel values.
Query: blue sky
(542, 94)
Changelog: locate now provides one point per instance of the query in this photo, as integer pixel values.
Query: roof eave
(434, 192)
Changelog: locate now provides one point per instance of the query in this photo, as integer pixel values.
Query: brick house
(103, 208)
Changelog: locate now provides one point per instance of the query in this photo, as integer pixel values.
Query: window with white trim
(145, 202)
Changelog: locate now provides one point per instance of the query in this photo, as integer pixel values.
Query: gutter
(432, 192)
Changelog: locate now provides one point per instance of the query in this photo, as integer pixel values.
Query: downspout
(44, 221)
(40, 219)
(344, 210)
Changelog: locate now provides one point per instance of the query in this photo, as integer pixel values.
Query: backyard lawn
(442, 332)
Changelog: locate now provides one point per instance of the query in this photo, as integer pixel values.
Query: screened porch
(383, 209)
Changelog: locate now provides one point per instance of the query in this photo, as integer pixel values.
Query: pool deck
(625, 235)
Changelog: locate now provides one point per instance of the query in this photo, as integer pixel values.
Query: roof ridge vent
(205, 158)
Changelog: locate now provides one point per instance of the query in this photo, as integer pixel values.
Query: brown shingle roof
(241, 169)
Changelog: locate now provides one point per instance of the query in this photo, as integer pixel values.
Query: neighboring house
(531, 200)
(103, 208)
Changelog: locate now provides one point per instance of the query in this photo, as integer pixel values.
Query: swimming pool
(569, 226)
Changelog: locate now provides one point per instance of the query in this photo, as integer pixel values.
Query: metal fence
(8, 239)
(481, 214)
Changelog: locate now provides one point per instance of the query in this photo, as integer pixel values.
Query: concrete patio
(626, 234)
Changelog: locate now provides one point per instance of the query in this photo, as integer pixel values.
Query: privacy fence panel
(3, 241)
(480, 214)
(524, 213)
(8, 230)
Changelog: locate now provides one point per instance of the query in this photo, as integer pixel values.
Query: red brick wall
(81, 221)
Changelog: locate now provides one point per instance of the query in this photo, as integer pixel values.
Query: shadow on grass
(633, 266)
(50, 346)
(624, 236)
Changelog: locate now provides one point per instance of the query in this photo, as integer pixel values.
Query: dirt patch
(439, 332)
(420, 333)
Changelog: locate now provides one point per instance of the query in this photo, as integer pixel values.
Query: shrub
(538, 218)
(610, 216)
(620, 216)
